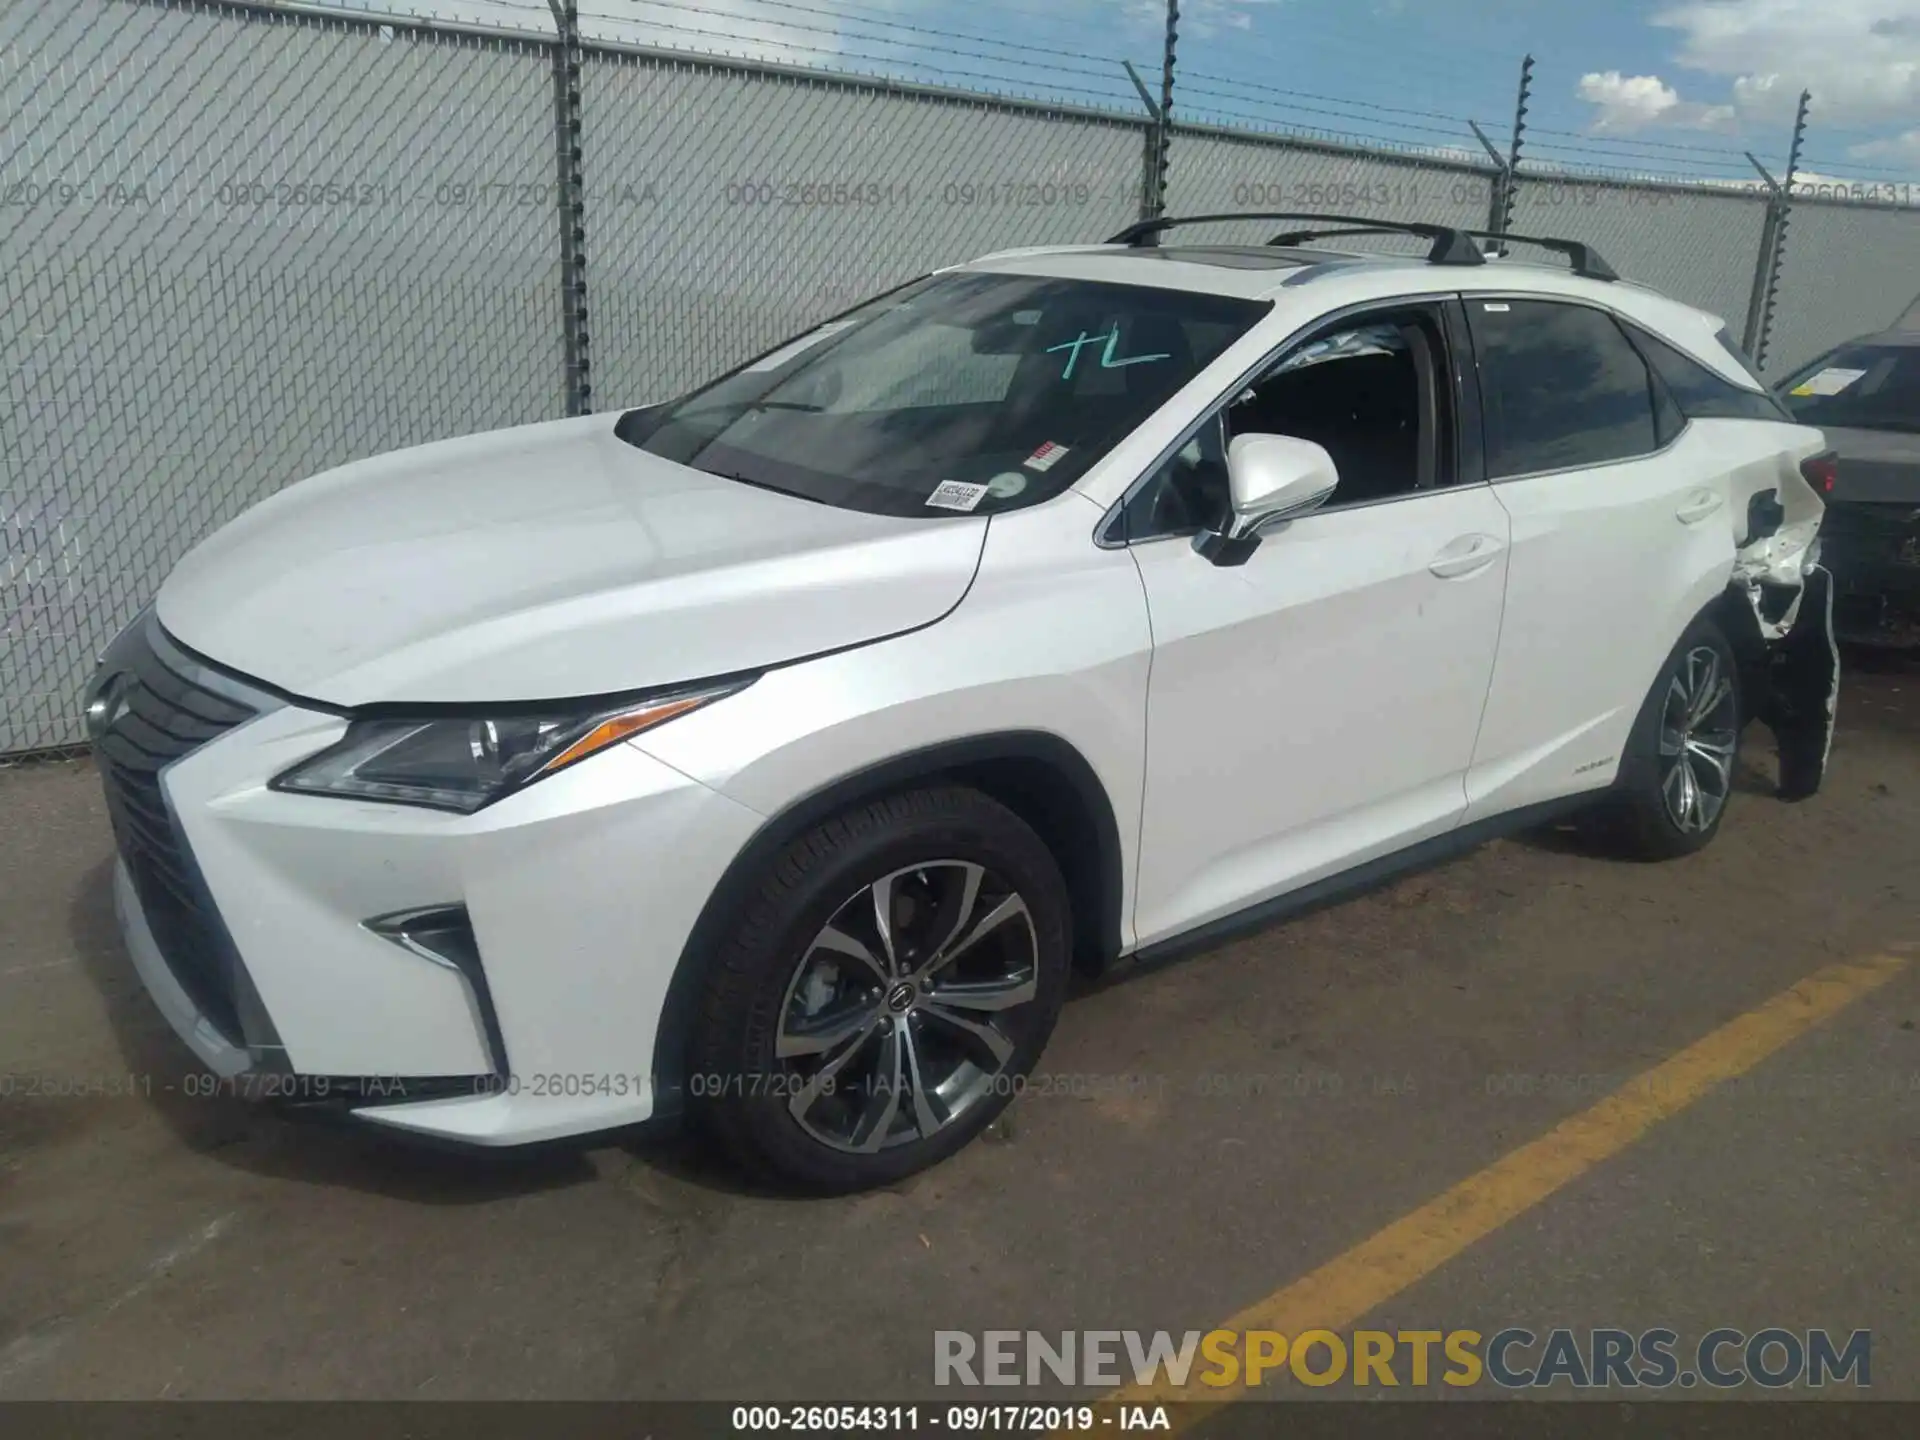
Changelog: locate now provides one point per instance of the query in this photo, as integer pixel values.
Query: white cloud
(1634, 102)
(1860, 58)
(1200, 19)
(1899, 149)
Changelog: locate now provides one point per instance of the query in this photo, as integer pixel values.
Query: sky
(1679, 87)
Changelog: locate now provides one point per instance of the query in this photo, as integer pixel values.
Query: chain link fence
(1216, 171)
(1849, 269)
(244, 243)
(1701, 246)
(240, 248)
(732, 207)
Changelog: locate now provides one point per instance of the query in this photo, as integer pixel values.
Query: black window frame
(1738, 402)
(1448, 314)
(1656, 387)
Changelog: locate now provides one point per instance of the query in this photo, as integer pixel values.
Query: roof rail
(1586, 260)
(1450, 246)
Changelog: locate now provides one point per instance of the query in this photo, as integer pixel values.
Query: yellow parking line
(1414, 1246)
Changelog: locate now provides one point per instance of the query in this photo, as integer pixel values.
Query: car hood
(547, 562)
(1877, 467)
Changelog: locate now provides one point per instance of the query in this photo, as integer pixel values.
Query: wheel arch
(1733, 613)
(1042, 778)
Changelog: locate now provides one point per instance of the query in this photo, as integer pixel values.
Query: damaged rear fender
(1789, 674)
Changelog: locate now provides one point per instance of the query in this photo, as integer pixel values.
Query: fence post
(1763, 270)
(1497, 201)
(1155, 201)
(1773, 242)
(1507, 186)
(1149, 141)
(570, 184)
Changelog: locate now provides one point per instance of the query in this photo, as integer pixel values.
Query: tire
(833, 1056)
(1676, 776)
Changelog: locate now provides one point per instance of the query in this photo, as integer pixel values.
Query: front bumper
(271, 929)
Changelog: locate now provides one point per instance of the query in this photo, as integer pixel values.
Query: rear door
(1621, 533)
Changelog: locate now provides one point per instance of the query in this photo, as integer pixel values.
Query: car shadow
(1586, 838)
(278, 1142)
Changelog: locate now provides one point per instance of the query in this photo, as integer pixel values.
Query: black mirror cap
(1225, 550)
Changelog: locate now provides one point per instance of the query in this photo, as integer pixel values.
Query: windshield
(967, 393)
(1867, 387)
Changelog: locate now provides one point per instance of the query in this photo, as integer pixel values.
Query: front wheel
(1676, 776)
(884, 994)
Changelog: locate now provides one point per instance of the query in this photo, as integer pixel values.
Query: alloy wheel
(1698, 737)
(908, 1006)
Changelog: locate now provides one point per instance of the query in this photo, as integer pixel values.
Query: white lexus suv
(772, 755)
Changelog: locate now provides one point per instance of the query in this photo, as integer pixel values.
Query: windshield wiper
(747, 405)
(761, 485)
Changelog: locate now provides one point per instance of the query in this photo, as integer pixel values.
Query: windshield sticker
(797, 348)
(1006, 485)
(956, 495)
(1830, 381)
(1108, 361)
(1046, 457)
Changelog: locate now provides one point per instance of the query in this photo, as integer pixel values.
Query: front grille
(152, 705)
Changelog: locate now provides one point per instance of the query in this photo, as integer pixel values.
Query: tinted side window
(1668, 419)
(1374, 391)
(1702, 394)
(1561, 387)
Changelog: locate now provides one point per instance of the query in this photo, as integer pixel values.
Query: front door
(1317, 706)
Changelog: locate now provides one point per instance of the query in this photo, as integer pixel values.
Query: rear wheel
(884, 994)
(1677, 775)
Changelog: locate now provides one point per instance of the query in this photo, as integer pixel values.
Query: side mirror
(1271, 479)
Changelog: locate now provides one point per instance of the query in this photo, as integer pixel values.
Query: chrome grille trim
(153, 704)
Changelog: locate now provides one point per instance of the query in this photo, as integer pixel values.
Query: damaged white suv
(773, 754)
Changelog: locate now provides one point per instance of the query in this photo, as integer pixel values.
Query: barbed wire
(1050, 60)
(894, 64)
(1611, 152)
(1635, 141)
(780, 28)
(848, 16)
(1848, 167)
(1185, 74)
(1202, 102)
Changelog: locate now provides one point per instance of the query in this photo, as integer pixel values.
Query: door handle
(1698, 506)
(1465, 556)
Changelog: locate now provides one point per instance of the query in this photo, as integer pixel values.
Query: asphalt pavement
(1224, 1140)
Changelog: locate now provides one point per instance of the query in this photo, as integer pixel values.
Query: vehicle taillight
(1822, 472)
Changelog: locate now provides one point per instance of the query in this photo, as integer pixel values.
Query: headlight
(464, 763)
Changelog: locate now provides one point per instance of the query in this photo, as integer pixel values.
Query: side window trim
(1657, 386)
(1470, 431)
(1110, 532)
(1639, 335)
